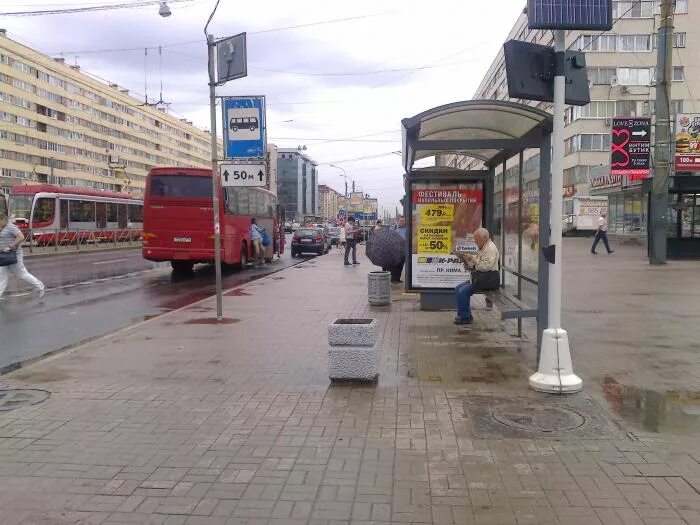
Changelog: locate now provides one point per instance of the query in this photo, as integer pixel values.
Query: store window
(627, 213)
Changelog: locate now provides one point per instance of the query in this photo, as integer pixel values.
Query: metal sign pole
(555, 373)
(215, 179)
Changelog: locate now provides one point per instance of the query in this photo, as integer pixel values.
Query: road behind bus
(92, 294)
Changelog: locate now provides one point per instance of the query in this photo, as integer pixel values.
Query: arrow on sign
(225, 175)
(642, 133)
(261, 175)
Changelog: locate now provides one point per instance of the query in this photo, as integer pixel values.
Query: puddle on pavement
(43, 376)
(212, 320)
(652, 410)
(237, 292)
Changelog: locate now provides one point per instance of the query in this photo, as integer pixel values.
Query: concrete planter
(353, 352)
(379, 288)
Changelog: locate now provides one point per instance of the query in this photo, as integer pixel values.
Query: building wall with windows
(59, 125)
(329, 201)
(297, 183)
(622, 76)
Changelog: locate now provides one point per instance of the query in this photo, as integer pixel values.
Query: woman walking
(11, 240)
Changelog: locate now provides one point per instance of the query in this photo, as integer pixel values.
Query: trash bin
(353, 352)
(379, 288)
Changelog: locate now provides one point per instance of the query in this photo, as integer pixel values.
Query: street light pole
(344, 175)
(662, 149)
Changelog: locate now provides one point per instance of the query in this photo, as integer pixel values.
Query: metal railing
(52, 240)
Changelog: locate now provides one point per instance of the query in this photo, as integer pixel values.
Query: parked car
(287, 227)
(295, 226)
(334, 235)
(309, 240)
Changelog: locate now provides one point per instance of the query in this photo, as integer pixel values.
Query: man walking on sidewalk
(601, 234)
(11, 239)
(351, 241)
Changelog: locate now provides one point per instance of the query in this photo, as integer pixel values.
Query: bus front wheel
(182, 266)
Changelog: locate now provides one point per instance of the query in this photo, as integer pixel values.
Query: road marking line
(110, 262)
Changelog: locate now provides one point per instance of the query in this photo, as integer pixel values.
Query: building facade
(297, 184)
(622, 77)
(60, 126)
(329, 202)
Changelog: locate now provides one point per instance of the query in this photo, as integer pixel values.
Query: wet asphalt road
(92, 294)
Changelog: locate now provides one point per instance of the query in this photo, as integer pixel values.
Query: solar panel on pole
(570, 14)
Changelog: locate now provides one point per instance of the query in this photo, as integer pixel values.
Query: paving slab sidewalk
(179, 420)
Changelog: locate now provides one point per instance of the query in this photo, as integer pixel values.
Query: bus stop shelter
(444, 205)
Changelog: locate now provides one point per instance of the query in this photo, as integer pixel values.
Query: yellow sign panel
(435, 239)
(437, 213)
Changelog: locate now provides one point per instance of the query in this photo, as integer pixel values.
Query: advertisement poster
(688, 143)
(631, 147)
(444, 219)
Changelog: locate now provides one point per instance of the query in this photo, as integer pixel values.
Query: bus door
(281, 219)
(101, 215)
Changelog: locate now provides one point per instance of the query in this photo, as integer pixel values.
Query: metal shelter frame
(493, 132)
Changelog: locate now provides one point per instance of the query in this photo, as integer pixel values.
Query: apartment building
(329, 201)
(622, 78)
(60, 126)
(297, 183)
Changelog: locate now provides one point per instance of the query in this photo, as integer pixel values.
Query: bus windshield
(20, 206)
(181, 186)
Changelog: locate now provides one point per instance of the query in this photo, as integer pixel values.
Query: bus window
(121, 215)
(101, 214)
(20, 205)
(82, 211)
(111, 212)
(44, 210)
(135, 213)
(187, 186)
(243, 204)
(63, 207)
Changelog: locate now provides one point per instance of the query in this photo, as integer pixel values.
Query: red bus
(179, 219)
(49, 214)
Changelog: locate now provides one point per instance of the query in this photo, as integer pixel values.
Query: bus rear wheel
(182, 266)
(243, 258)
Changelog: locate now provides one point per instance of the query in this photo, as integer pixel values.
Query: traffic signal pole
(662, 148)
(555, 371)
(211, 48)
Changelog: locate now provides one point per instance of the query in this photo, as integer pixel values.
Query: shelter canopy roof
(489, 130)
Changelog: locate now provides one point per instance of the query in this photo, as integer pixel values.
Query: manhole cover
(12, 398)
(537, 417)
(573, 417)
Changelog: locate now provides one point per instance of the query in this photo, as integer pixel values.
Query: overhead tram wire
(74, 10)
(200, 41)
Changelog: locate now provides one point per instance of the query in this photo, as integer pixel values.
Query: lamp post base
(555, 374)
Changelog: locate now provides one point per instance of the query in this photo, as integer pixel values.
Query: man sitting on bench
(484, 274)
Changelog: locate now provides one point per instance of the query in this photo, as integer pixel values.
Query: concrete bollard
(379, 288)
(353, 352)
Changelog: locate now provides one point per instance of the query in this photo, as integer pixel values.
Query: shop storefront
(628, 208)
(684, 217)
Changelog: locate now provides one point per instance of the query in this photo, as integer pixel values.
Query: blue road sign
(244, 127)
(341, 212)
(570, 14)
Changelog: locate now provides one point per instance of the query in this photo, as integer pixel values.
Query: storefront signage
(631, 145)
(605, 181)
(688, 143)
(569, 191)
(443, 220)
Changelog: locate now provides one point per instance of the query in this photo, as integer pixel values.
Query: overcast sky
(340, 88)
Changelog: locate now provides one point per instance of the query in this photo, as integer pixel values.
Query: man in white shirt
(484, 265)
(351, 241)
(601, 234)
